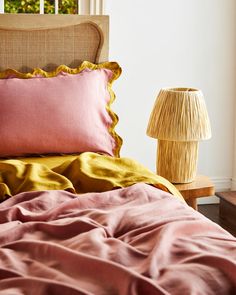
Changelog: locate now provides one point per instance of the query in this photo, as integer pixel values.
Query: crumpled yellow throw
(87, 172)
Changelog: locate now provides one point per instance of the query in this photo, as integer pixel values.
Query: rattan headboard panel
(46, 41)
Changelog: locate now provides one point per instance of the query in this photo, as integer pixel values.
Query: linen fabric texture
(64, 111)
(87, 172)
(136, 240)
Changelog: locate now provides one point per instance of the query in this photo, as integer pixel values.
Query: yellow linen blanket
(87, 172)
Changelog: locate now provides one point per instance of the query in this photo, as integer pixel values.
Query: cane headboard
(28, 41)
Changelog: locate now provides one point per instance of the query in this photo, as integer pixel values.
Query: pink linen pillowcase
(65, 111)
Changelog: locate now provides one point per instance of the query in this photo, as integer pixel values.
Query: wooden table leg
(192, 202)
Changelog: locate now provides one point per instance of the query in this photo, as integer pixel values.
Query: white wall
(175, 43)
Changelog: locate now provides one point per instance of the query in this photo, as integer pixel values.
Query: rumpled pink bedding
(135, 240)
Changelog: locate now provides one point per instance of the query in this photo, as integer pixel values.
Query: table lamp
(179, 119)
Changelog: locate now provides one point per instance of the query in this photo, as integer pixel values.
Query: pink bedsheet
(136, 240)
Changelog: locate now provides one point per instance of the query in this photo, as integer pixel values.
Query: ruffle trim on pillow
(112, 66)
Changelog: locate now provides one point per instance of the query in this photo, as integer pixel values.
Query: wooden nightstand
(199, 188)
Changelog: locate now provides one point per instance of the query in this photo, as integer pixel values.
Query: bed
(75, 217)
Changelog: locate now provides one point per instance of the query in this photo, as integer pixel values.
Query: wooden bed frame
(47, 41)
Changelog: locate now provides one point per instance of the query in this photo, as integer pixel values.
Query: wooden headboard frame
(28, 41)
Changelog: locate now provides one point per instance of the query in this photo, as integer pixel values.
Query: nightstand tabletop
(200, 187)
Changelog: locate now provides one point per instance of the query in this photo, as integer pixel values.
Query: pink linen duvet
(135, 240)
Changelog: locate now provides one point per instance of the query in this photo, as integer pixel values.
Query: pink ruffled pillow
(65, 111)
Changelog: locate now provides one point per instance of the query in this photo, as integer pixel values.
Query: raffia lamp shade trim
(179, 119)
(179, 114)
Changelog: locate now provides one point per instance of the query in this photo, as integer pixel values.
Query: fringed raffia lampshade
(179, 119)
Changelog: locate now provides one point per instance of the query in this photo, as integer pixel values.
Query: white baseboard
(221, 184)
(208, 200)
(233, 186)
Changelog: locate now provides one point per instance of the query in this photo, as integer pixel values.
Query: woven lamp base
(177, 160)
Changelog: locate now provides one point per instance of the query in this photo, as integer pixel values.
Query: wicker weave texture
(24, 50)
(47, 41)
(177, 161)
